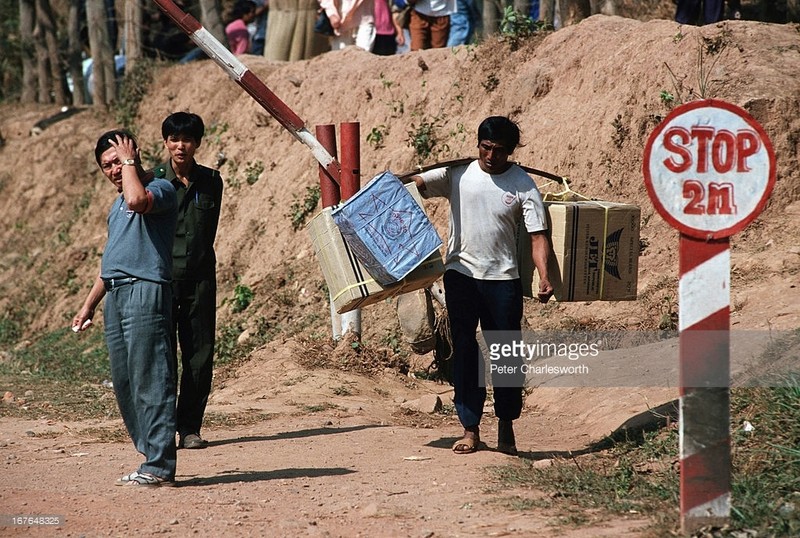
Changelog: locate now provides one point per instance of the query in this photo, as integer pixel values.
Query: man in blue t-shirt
(135, 275)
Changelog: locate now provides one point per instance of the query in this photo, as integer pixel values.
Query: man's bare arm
(540, 252)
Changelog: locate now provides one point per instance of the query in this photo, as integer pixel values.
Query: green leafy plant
(516, 26)
(59, 355)
(253, 171)
(396, 105)
(666, 97)
(232, 176)
(385, 82)
(393, 340)
(226, 347)
(342, 390)
(215, 131)
(10, 330)
(242, 297)
(301, 209)
(377, 136)
(425, 138)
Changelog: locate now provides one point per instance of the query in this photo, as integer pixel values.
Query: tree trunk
(46, 21)
(523, 6)
(42, 61)
(547, 12)
(74, 57)
(133, 34)
(792, 10)
(574, 11)
(27, 16)
(212, 20)
(606, 7)
(104, 80)
(491, 18)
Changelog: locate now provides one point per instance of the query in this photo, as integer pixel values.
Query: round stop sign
(709, 169)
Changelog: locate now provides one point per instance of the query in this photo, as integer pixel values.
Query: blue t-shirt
(140, 244)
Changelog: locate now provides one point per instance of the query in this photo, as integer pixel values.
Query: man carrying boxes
(488, 198)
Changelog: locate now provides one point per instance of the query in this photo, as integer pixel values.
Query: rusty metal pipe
(349, 185)
(351, 159)
(329, 190)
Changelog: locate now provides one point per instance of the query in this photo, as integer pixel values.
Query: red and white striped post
(704, 408)
(709, 169)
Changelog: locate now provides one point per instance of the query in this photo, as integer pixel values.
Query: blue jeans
(137, 329)
(462, 24)
(497, 306)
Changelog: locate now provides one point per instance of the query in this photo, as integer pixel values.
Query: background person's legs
(419, 26)
(196, 330)
(687, 11)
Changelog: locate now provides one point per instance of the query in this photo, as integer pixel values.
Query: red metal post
(351, 159)
(350, 183)
(329, 190)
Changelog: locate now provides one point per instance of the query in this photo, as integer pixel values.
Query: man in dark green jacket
(194, 277)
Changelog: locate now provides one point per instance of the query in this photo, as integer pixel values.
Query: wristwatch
(127, 162)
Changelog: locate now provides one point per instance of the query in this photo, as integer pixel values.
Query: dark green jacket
(199, 204)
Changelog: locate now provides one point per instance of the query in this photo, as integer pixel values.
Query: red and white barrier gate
(250, 83)
(334, 182)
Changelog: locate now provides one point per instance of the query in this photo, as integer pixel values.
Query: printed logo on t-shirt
(509, 198)
(124, 207)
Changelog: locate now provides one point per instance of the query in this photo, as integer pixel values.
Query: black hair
(242, 8)
(183, 123)
(499, 129)
(103, 143)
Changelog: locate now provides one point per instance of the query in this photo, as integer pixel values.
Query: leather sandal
(467, 444)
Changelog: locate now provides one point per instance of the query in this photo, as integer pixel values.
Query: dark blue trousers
(688, 11)
(497, 306)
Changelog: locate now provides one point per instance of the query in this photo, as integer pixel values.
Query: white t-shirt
(436, 8)
(485, 210)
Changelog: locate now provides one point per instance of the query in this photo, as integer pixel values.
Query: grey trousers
(137, 330)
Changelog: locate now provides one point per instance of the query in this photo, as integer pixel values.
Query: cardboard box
(386, 229)
(595, 253)
(349, 283)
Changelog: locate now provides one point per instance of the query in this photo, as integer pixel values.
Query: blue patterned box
(386, 229)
